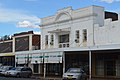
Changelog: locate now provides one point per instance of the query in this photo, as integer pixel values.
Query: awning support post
(90, 64)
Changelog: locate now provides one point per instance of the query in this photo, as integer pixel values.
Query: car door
(23, 72)
(28, 72)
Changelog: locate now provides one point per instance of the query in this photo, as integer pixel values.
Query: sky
(24, 15)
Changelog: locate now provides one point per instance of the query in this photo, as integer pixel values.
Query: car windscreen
(74, 70)
(17, 69)
(1, 67)
(13, 69)
(6, 68)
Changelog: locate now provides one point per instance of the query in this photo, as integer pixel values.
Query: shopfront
(36, 62)
(101, 62)
(107, 63)
(77, 59)
(42, 62)
(31, 59)
(7, 59)
(54, 63)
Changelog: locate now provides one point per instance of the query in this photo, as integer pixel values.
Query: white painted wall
(107, 34)
(99, 30)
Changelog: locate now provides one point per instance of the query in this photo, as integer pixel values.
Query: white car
(74, 74)
(3, 69)
(20, 72)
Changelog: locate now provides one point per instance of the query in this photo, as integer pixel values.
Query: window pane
(77, 36)
(63, 38)
(52, 40)
(46, 39)
(84, 35)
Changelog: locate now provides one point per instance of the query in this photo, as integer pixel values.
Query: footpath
(56, 78)
(47, 78)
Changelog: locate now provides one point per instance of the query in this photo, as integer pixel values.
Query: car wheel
(28, 75)
(18, 75)
(84, 78)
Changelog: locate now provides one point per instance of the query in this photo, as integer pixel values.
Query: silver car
(74, 74)
(20, 72)
(3, 69)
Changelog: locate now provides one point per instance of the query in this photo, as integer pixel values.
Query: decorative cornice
(73, 18)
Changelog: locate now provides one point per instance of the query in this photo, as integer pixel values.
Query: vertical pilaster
(30, 42)
(63, 62)
(13, 49)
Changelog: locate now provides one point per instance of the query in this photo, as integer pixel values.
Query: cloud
(27, 24)
(110, 1)
(37, 32)
(18, 17)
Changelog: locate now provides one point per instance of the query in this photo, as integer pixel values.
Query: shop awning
(7, 54)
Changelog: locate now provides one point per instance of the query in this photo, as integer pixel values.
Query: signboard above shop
(53, 57)
(37, 58)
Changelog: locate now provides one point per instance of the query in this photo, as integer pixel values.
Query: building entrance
(76, 59)
(54, 69)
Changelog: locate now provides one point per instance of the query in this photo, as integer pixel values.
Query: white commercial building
(86, 36)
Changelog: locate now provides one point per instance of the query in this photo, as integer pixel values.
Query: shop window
(36, 68)
(110, 68)
(54, 69)
(100, 68)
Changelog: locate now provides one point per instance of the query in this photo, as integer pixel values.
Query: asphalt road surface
(12, 78)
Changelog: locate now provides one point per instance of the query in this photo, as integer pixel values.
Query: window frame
(77, 36)
(84, 35)
(46, 39)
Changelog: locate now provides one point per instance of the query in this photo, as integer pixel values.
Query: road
(12, 78)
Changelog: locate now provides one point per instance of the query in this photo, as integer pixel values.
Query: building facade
(12, 50)
(85, 37)
(7, 56)
(26, 42)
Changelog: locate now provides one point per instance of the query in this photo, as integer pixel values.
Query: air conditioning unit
(51, 43)
(60, 45)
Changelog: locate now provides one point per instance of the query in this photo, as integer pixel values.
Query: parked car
(3, 69)
(74, 74)
(20, 72)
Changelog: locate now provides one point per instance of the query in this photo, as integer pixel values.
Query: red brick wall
(36, 39)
